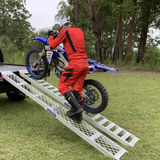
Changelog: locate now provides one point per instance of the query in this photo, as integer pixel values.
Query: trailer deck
(12, 67)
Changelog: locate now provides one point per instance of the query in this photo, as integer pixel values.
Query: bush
(7, 46)
(152, 58)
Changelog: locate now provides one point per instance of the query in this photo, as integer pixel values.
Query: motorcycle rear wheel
(97, 96)
(40, 70)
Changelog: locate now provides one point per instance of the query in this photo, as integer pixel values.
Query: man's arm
(53, 43)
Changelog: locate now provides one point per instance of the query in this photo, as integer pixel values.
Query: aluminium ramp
(84, 130)
(113, 130)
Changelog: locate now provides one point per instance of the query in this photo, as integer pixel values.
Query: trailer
(11, 91)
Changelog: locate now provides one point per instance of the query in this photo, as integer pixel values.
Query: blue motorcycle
(94, 93)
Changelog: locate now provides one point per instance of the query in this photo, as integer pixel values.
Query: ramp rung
(43, 84)
(96, 116)
(133, 141)
(22, 83)
(126, 135)
(41, 80)
(103, 121)
(118, 130)
(110, 126)
(53, 90)
(58, 93)
(49, 87)
(38, 95)
(56, 90)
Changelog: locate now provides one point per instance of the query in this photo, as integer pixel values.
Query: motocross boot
(81, 103)
(78, 117)
(76, 107)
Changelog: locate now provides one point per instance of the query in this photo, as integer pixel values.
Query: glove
(53, 33)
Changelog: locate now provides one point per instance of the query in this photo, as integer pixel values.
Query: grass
(28, 132)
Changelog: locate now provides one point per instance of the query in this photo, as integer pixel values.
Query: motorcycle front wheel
(95, 96)
(37, 66)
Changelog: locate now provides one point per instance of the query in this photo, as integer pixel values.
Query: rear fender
(98, 65)
(105, 67)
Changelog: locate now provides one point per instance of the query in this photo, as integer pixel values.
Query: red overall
(77, 69)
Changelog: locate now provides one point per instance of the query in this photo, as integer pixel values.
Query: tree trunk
(120, 44)
(143, 38)
(77, 13)
(142, 46)
(116, 44)
(95, 24)
(129, 46)
(98, 48)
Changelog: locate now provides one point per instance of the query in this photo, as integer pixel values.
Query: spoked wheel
(95, 96)
(37, 66)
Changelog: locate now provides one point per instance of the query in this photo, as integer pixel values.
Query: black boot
(78, 117)
(76, 107)
(81, 103)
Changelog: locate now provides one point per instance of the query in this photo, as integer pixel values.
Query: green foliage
(84, 21)
(7, 46)
(13, 21)
(152, 58)
(56, 27)
(125, 8)
(28, 42)
(16, 33)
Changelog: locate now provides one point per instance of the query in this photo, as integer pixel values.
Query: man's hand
(53, 33)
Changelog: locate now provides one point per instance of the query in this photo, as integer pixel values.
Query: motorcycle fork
(39, 58)
(63, 60)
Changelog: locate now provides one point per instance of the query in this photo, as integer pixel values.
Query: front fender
(41, 39)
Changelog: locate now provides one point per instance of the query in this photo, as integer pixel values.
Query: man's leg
(78, 85)
(69, 76)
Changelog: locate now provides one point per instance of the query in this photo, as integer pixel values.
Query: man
(77, 69)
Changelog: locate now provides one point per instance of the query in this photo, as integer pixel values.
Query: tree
(117, 47)
(130, 34)
(117, 27)
(95, 17)
(124, 9)
(13, 21)
(150, 13)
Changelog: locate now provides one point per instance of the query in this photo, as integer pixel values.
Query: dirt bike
(94, 93)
